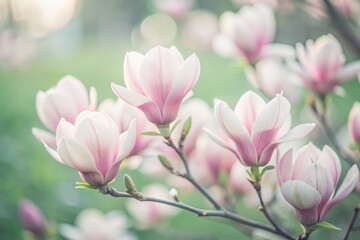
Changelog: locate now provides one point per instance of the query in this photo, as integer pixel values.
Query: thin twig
(263, 209)
(352, 222)
(199, 212)
(188, 176)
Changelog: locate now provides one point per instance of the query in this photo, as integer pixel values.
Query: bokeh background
(42, 41)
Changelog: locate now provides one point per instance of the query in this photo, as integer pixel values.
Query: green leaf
(223, 178)
(85, 185)
(327, 226)
(151, 134)
(267, 168)
(174, 126)
(165, 162)
(186, 127)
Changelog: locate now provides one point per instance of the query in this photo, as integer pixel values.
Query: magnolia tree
(223, 154)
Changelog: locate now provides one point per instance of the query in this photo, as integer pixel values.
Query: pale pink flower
(354, 122)
(150, 214)
(345, 7)
(257, 128)
(91, 224)
(174, 8)
(309, 181)
(93, 146)
(157, 82)
(272, 77)
(321, 64)
(123, 113)
(65, 100)
(32, 219)
(248, 34)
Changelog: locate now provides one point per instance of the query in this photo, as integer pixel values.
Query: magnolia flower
(256, 128)
(157, 82)
(174, 8)
(32, 219)
(309, 182)
(248, 35)
(272, 77)
(65, 100)
(321, 64)
(354, 122)
(151, 213)
(93, 146)
(94, 225)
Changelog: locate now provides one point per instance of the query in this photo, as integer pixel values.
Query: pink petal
(64, 129)
(145, 104)
(132, 64)
(44, 136)
(185, 80)
(331, 161)
(284, 166)
(304, 157)
(127, 141)
(349, 71)
(248, 109)
(225, 47)
(76, 156)
(304, 198)
(92, 99)
(54, 154)
(230, 123)
(349, 183)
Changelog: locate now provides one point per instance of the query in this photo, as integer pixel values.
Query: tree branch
(352, 222)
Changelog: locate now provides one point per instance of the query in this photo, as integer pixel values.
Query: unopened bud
(174, 194)
(165, 162)
(310, 101)
(129, 184)
(186, 129)
(32, 218)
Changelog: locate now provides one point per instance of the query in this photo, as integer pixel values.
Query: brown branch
(352, 222)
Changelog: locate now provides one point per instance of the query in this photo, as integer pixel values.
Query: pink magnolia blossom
(32, 219)
(321, 64)
(91, 224)
(354, 122)
(309, 181)
(93, 146)
(157, 82)
(272, 77)
(174, 8)
(248, 34)
(65, 100)
(257, 128)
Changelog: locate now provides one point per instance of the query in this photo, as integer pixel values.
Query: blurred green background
(92, 47)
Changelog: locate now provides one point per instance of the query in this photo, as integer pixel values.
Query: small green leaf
(327, 226)
(85, 185)
(186, 127)
(150, 134)
(165, 162)
(267, 168)
(174, 126)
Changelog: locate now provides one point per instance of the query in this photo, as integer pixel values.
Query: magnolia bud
(32, 218)
(130, 185)
(174, 194)
(165, 162)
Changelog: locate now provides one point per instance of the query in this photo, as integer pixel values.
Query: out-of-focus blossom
(354, 122)
(308, 183)
(272, 77)
(157, 29)
(157, 82)
(43, 16)
(150, 213)
(65, 100)
(248, 34)
(32, 219)
(91, 224)
(257, 127)
(195, 39)
(123, 113)
(174, 8)
(345, 7)
(93, 146)
(321, 64)
(275, 4)
(16, 51)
